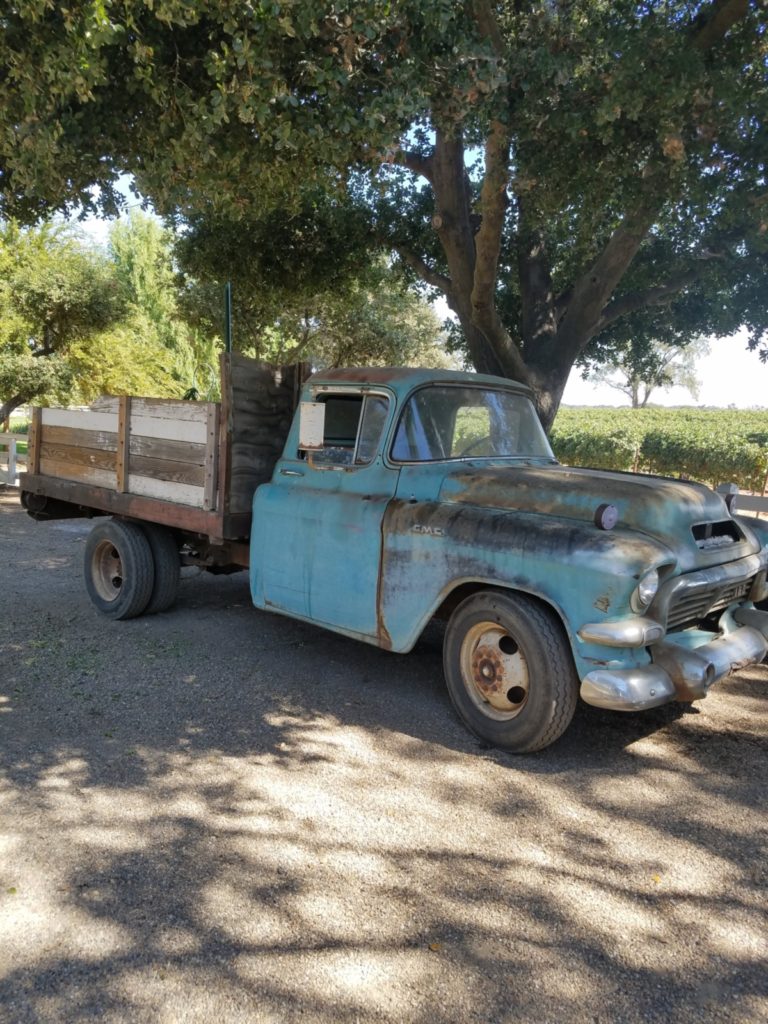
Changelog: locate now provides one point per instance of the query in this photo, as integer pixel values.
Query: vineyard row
(711, 445)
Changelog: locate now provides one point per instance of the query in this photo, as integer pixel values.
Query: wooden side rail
(155, 448)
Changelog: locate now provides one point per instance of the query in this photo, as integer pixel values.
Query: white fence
(738, 502)
(9, 463)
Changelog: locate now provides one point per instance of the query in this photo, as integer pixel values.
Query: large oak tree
(553, 168)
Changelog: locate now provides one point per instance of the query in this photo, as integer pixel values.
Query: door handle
(291, 472)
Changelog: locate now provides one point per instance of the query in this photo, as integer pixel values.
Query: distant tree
(304, 286)
(384, 324)
(55, 293)
(644, 367)
(141, 248)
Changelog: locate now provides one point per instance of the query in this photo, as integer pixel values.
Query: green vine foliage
(710, 445)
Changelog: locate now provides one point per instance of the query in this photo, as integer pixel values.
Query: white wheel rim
(494, 671)
(107, 571)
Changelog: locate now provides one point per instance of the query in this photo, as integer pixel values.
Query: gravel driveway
(218, 815)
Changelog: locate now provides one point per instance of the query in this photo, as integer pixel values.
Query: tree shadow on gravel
(216, 814)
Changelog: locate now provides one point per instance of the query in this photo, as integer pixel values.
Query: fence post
(9, 441)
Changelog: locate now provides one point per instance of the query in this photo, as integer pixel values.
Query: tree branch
(416, 163)
(489, 28)
(594, 288)
(561, 303)
(655, 296)
(660, 294)
(493, 206)
(586, 304)
(422, 268)
(713, 24)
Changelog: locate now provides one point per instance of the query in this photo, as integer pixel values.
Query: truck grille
(690, 609)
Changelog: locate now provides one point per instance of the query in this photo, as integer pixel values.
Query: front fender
(585, 574)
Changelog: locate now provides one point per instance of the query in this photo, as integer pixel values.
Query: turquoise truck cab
(402, 495)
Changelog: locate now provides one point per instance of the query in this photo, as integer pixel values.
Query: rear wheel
(165, 555)
(510, 671)
(119, 569)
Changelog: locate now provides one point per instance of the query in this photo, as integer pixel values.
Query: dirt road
(217, 815)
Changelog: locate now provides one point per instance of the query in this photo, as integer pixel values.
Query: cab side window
(353, 427)
(374, 418)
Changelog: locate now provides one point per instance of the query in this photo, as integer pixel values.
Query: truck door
(317, 526)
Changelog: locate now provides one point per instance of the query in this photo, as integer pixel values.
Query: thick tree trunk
(6, 408)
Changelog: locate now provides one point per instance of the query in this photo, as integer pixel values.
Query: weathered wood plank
(171, 408)
(151, 447)
(66, 454)
(106, 499)
(172, 451)
(104, 440)
(157, 408)
(262, 401)
(123, 450)
(181, 494)
(35, 437)
(169, 429)
(211, 457)
(83, 419)
(73, 471)
(162, 469)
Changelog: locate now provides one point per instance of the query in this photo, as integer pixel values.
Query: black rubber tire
(119, 569)
(534, 639)
(165, 554)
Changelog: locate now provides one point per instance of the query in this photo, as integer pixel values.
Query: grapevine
(712, 446)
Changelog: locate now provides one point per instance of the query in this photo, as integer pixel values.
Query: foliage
(141, 250)
(711, 445)
(376, 324)
(554, 169)
(646, 365)
(76, 322)
(54, 293)
(124, 360)
(22, 378)
(304, 287)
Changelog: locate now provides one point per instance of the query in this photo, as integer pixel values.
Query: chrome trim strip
(635, 632)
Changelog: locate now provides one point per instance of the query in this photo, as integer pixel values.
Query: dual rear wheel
(131, 570)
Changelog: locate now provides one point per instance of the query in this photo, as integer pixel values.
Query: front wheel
(510, 671)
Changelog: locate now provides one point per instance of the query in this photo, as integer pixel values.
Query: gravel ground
(217, 815)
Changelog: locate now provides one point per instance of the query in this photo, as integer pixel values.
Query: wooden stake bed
(192, 466)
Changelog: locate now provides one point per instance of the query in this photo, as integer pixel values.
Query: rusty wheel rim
(494, 671)
(107, 571)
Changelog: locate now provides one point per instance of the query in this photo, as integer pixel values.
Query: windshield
(468, 422)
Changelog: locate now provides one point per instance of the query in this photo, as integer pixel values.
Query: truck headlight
(645, 591)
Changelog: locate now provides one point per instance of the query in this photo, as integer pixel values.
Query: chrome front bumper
(680, 673)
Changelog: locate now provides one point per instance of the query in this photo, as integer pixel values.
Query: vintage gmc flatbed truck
(402, 495)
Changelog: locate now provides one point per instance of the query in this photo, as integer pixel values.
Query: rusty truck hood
(658, 506)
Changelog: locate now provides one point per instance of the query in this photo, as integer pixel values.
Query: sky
(730, 376)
